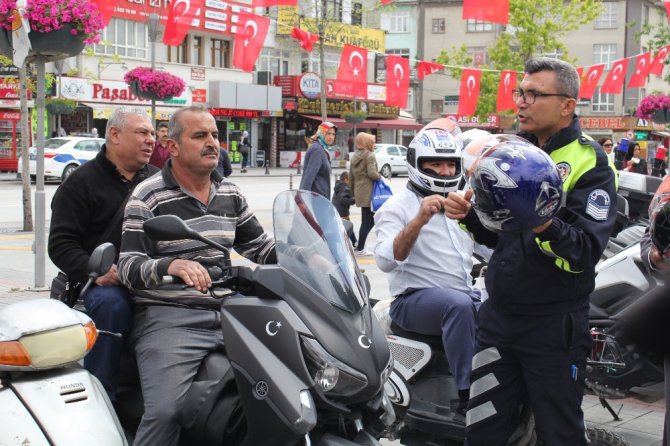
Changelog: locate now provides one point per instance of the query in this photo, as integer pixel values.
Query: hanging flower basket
(6, 47)
(154, 85)
(59, 106)
(57, 44)
(355, 117)
(654, 107)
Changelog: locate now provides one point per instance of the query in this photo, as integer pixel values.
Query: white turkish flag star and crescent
(590, 81)
(180, 17)
(397, 81)
(353, 71)
(469, 92)
(249, 40)
(659, 61)
(642, 66)
(505, 99)
(616, 77)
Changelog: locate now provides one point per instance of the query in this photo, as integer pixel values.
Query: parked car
(391, 159)
(63, 155)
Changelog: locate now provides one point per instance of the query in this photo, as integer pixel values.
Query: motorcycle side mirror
(171, 227)
(168, 228)
(101, 260)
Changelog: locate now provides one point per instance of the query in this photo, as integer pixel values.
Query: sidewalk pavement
(641, 418)
(251, 172)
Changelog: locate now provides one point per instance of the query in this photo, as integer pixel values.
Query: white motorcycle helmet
(439, 140)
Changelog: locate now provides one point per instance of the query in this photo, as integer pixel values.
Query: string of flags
(252, 30)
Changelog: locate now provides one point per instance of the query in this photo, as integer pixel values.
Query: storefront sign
(199, 95)
(492, 121)
(336, 108)
(197, 74)
(110, 92)
(289, 84)
(9, 88)
(234, 113)
(336, 33)
(215, 16)
(588, 122)
(310, 85)
(10, 116)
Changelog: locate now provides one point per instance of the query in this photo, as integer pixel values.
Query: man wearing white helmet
(427, 256)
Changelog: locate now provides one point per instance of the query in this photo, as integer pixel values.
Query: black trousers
(539, 360)
(367, 222)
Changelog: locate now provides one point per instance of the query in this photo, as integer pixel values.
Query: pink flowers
(163, 84)
(652, 103)
(7, 8)
(50, 15)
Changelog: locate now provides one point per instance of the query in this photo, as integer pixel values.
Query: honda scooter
(46, 398)
(305, 360)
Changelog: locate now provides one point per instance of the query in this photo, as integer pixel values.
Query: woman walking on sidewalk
(363, 173)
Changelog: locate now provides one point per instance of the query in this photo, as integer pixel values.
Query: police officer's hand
(458, 205)
(430, 206)
(657, 260)
(191, 273)
(109, 279)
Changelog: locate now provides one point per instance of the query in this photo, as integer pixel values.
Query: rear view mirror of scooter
(101, 260)
(171, 227)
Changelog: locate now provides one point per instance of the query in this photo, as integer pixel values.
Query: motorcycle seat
(432, 340)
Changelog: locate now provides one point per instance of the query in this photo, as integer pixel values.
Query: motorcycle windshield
(313, 245)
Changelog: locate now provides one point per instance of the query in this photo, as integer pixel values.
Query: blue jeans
(111, 310)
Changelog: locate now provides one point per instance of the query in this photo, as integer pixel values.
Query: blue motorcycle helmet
(517, 187)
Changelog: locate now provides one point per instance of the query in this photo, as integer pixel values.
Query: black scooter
(305, 360)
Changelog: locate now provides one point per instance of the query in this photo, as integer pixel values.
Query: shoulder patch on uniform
(564, 170)
(598, 205)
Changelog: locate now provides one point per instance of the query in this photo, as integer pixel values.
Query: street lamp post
(153, 23)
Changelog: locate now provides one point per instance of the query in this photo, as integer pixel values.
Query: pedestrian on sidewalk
(316, 170)
(363, 172)
(245, 148)
(224, 167)
(342, 200)
(160, 154)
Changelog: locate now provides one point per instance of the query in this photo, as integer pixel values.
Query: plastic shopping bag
(381, 191)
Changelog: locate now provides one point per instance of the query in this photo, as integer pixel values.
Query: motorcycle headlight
(333, 377)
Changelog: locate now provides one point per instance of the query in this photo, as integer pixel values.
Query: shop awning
(384, 124)
(663, 134)
(103, 111)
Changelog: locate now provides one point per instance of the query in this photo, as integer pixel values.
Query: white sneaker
(363, 253)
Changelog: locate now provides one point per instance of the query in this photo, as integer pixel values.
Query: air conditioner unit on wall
(264, 77)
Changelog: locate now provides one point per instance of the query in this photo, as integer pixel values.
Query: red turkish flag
(642, 66)
(106, 8)
(249, 38)
(306, 39)
(580, 73)
(268, 3)
(667, 9)
(496, 11)
(427, 68)
(180, 17)
(352, 75)
(397, 80)
(507, 84)
(615, 78)
(590, 81)
(658, 63)
(467, 99)
(386, 2)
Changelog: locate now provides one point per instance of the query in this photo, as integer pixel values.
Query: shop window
(179, 54)
(220, 53)
(127, 38)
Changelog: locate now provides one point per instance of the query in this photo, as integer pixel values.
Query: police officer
(533, 334)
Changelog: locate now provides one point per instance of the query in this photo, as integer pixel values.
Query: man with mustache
(175, 330)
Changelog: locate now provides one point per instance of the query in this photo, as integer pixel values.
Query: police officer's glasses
(530, 96)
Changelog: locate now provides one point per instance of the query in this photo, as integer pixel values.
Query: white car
(391, 159)
(63, 155)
